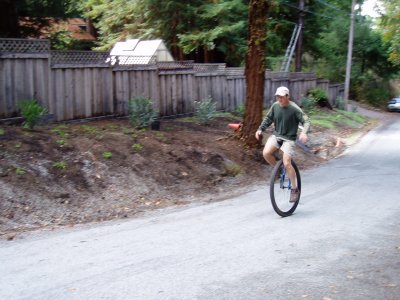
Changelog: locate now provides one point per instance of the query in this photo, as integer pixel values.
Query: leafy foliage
(32, 111)
(61, 165)
(340, 103)
(307, 103)
(391, 30)
(141, 112)
(206, 110)
(318, 95)
(107, 154)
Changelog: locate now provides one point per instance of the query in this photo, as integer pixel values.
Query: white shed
(137, 52)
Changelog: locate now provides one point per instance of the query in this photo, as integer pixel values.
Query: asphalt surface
(343, 242)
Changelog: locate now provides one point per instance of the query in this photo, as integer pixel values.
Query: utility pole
(349, 56)
(299, 48)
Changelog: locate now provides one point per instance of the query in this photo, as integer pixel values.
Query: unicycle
(280, 187)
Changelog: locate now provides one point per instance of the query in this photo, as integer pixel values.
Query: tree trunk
(8, 19)
(255, 69)
(299, 48)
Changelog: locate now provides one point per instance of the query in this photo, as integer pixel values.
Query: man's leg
(288, 152)
(269, 149)
(287, 161)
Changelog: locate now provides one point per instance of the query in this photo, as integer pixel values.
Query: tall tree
(255, 69)
(220, 29)
(391, 29)
(8, 19)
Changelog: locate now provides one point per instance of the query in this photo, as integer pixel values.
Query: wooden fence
(75, 89)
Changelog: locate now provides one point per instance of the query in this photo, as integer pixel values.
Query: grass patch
(334, 118)
(323, 123)
(60, 131)
(61, 165)
(137, 147)
(107, 154)
(20, 171)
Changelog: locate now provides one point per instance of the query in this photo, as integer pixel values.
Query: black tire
(280, 194)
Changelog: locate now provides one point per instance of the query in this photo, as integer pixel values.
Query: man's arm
(268, 120)
(303, 120)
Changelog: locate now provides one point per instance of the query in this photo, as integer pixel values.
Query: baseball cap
(282, 91)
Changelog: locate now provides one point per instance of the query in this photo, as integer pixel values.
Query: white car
(394, 104)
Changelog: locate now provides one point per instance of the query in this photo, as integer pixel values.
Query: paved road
(342, 243)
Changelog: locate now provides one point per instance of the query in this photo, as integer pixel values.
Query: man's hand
(258, 134)
(303, 138)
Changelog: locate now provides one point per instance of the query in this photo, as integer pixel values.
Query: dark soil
(66, 174)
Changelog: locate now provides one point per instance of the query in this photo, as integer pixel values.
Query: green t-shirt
(286, 120)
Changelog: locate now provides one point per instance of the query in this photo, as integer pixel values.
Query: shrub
(137, 147)
(231, 169)
(319, 95)
(340, 103)
(32, 111)
(20, 171)
(206, 110)
(107, 154)
(61, 165)
(141, 112)
(240, 110)
(307, 103)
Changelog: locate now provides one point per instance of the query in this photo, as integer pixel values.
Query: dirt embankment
(61, 175)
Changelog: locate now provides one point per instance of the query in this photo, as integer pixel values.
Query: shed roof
(135, 51)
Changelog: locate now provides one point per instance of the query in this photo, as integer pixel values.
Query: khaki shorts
(287, 146)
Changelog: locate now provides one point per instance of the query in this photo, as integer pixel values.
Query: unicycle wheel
(280, 187)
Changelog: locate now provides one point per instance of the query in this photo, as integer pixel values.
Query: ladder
(290, 49)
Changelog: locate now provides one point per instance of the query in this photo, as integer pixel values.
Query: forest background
(215, 31)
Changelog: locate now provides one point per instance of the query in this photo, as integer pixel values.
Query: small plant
(354, 108)
(320, 97)
(61, 142)
(2, 132)
(32, 111)
(240, 110)
(340, 103)
(18, 145)
(231, 169)
(90, 129)
(127, 131)
(206, 110)
(137, 147)
(20, 171)
(107, 154)
(61, 165)
(318, 94)
(307, 103)
(60, 131)
(161, 137)
(141, 112)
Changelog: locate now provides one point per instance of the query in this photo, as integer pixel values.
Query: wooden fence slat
(82, 91)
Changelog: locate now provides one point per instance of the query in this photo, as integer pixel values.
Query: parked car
(394, 104)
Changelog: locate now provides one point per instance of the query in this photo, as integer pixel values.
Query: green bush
(32, 111)
(107, 154)
(61, 165)
(240, 110)
(206, 110)
(340, 103)
(319, 95)
(141, 112)
(307, 103)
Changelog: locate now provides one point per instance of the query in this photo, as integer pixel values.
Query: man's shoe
(294, 195)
